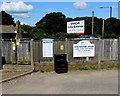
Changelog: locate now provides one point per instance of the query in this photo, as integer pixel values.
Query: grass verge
(108, 67)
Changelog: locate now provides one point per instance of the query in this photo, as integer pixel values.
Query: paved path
(74, 82)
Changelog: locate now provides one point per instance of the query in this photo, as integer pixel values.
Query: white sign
(13, 46)
(47, 47)
(83, 49)
(76, 27)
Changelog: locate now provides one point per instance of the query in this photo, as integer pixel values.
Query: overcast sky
(31, 12)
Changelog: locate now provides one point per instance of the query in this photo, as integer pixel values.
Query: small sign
(84, 49)
(13, 45)
(76, 27)
(47, 47)
(17, 43)
(115, 40)
(61, 47)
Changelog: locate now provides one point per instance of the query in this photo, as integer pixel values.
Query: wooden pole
(111, 12)
(92, 22)
(18, 29)
(119, 50)
(103, 29)
(31, 53)
(99, 51)
(66, 48)
(1, 65)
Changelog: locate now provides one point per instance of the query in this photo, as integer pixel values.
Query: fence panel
(23, 53)
(114, 50)
(109, 49)
(8, 52)
(36, 51)
(59, 47)
(105, 50)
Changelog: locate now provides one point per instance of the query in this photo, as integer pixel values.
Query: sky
(30, 12)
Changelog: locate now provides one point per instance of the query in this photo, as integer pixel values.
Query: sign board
(13, 46)
(61, 47)
(76, 27)
(84, 49)
(18, 42)
(47, 47)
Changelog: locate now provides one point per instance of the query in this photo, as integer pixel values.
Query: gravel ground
(73, 82)
(9, 71)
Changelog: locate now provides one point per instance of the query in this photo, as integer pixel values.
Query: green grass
(107, 67)
(113, 67)
(84, 68)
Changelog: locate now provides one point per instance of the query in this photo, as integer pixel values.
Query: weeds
(108, 67)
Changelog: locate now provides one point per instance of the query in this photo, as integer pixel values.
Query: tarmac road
(73, 82)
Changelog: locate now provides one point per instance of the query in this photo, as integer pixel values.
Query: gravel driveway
(73, 82)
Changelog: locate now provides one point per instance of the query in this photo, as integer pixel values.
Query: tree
(88, 25)
(112, 28)
(53, 23)
(26, 28)
(69, 19)
(6, 18)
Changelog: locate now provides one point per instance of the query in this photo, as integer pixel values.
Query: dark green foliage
(112, 28)
(53, 23)
(88, 25)
(63, 36)
(54, 26)
(6, 19)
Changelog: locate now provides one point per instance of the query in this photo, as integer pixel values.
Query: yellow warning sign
(61, 47)
(115, 40)
(17, 43)
(13, 44)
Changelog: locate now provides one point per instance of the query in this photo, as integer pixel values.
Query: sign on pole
(47, 47)
(84, 49)
(76, 27)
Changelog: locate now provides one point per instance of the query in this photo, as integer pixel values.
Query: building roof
(7, 29)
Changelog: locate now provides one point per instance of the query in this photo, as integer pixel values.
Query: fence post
(119, 50)
(1, 65)
(66, 47)
(99, 51)
(31, 53)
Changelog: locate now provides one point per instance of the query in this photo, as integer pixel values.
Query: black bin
(60, 63)
(2, 62)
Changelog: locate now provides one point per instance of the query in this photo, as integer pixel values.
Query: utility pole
(18, 29)
(119, 10)
(92, 22)
(18, 37)
(103, 29)
(110, 10)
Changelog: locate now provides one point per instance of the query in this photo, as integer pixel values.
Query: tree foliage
(53, 23)
(112, 28)
(6, 18)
